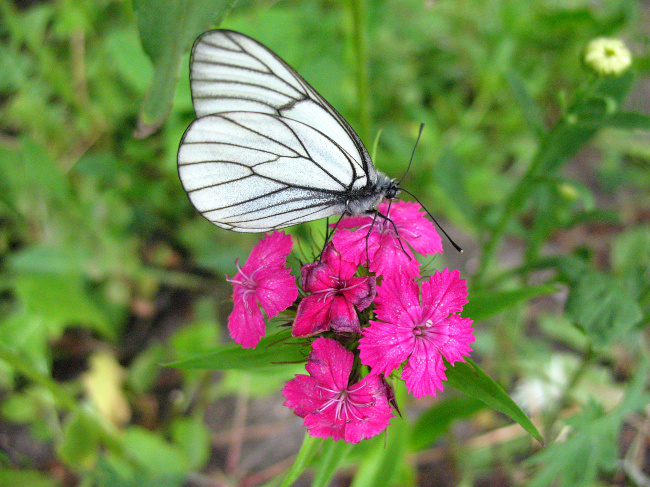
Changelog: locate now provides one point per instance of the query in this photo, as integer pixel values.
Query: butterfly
(266, 151)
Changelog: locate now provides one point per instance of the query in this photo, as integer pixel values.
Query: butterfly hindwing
(266, 150)
(252, 171)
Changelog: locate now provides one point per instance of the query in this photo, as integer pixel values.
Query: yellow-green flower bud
(607, 56)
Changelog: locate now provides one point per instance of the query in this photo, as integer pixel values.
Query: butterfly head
(386, 187)
(392, 189)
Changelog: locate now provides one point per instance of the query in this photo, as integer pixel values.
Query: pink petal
(375, 413)
(414, 227)
(316, 276)
(352, 244)
(454, 335)
(382, 247)
(391, 258)
(343, 316)
(330, 363)
(366, 413)
(360, 291)
(341, 268)
(312, 317)
(425, 370)
(398, 300)
(246, 323)
(270, 252)
(385, 346)
(332, 408)
(445, 291)
(302, 395)
(277, 292)
(324, 424)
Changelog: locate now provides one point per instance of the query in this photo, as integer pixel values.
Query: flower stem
(357, 11)
(552, 417)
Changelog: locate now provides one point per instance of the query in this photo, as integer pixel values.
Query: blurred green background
(108, 271)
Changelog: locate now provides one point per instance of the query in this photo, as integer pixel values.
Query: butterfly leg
(388, 219)
(328, 234)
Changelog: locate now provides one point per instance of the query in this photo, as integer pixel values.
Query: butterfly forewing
(230, 71)
(266, 151)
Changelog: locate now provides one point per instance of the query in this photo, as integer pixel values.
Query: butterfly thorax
(364, 199)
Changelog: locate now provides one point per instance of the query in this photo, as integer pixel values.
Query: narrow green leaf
(310, 446)
(563, 142)
(629, 121)
(449, 178)
(26, 477)
(379, 468)
(271, 350)
(530, 109)
(333, 454)
(435, 422)
(470, 379)
(485, 304)
(167, 30)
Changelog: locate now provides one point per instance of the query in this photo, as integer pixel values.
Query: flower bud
(607, 57)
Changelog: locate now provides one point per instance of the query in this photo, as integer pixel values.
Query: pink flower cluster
(407, 321)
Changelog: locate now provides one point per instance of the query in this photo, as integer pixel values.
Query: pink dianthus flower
(263, 281)
(335, 296)
(330, 406)
(421, 333)
(381, 247)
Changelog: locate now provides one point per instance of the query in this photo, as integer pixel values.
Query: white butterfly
(266, 150)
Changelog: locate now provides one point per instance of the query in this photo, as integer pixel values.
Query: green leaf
(602, 307)
(153, 453)
(593, 443)
(380, 466)
(61, 301)
(530, 109)
(631, 250)
(167, 30)
(470, 379)
(26, 477)
(435, 422)
(80, 442)
(449, 176)
(130, 61)
(276, 349)
(570, 267)
(629, 121)
(310, 446)
(192, 436)
(328, 462)
(20, 407)
(49, 259)
(28, 335)
(590, 112)
(485, 304)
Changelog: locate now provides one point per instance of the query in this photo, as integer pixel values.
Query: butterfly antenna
(412, 154)
(456, 246)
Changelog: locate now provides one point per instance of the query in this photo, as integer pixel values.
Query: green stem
(547, 159)
(357, 10)
(512, 204)
(553, 415)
